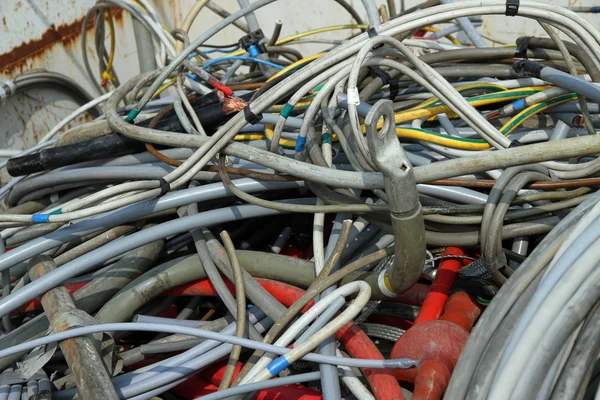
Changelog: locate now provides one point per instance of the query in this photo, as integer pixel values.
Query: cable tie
(376, 71)
(300, 142)
(353, 96)
(515, 143)
(373, 33)
(522, 47)
(394, 88)
(278, 365)
(250, 117)
(165, 187)
(40, 218)
(512, 8)
(286, 110)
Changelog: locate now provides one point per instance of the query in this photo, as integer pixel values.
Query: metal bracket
(390, 158)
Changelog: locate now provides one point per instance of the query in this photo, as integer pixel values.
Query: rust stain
(54, 34)
(18, 5)
(63, 34)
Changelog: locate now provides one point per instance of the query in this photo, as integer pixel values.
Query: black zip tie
(387, 80)
(522, 47)
(512, 8)
(165, 187)
(394, 88)
(373, 33)
(377, 72)
(250, 117)
(515, 143)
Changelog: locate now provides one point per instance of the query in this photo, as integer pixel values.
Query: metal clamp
(390, 158)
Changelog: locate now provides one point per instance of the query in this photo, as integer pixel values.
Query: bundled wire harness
(407, 213)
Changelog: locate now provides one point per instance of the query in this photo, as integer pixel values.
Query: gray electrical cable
(118, 327)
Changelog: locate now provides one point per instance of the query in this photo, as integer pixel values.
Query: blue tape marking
(595, 9)
(300, 144)
(278, 365)
(40, 218)
(253, 51)
(519, 104)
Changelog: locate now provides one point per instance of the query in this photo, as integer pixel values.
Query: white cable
(261, 370)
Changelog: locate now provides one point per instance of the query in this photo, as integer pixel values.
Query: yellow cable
(106, 76)
(462, 89)
(163, 88)
(383, 13)
(448, 141)
(248, 136)
(453, 40)
(304, 34)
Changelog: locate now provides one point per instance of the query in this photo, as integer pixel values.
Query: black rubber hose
(111, 145)
(208, 108)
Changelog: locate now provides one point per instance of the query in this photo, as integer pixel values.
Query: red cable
(214, 374)
(359, 345)
(354, 340)
(194, 387)
(284, 293)
(433, 306)
(36, 304)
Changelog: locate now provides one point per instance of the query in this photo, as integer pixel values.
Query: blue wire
(244, 58)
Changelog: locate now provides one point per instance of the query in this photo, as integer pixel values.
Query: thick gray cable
(468, 28)
(213, 273)
(92, 259)
(554, 290)
(564, 324)
(135, 211)
(575, 84)
(504, 300)
(372, 13)
(133, 327)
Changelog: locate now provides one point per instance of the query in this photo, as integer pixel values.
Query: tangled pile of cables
(407, 214)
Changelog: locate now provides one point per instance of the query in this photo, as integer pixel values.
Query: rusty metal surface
(46, 35)
(89, 372)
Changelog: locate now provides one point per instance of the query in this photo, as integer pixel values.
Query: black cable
(220, 46)
(111, 145)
